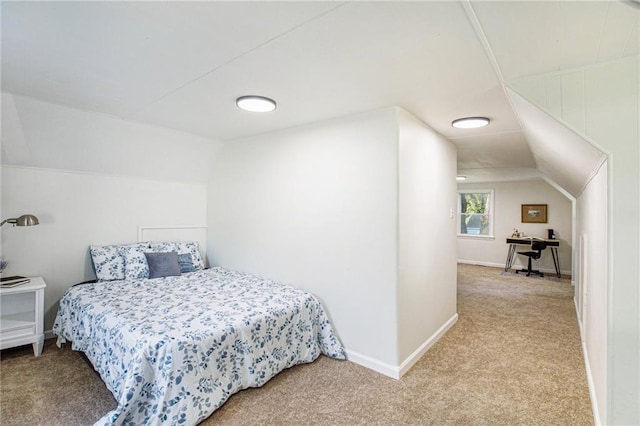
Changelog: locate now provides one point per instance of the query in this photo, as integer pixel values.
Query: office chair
(535, 253)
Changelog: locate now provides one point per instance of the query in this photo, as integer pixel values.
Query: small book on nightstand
(13, 281)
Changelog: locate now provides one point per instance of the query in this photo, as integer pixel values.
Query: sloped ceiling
(560, 153)
(182, 64)
(537, 37)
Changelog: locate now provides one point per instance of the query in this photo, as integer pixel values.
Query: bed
(173, 349)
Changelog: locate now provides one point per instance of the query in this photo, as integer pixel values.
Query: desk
(513, 242)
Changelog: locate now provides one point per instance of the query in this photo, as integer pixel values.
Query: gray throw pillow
(163, 264)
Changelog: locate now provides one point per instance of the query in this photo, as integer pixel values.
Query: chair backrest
(538, 245)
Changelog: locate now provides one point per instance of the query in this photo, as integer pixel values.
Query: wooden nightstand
(22, 315)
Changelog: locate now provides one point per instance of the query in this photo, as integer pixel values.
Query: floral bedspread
(172, 350)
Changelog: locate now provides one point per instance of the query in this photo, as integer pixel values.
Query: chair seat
(534, 254)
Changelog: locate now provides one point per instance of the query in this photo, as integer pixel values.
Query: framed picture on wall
(534, 213)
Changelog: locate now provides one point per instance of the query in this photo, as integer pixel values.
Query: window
(475, 213)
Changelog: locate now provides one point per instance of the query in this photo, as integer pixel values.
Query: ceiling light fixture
(256, 103)
(470, 122)
(461, 178)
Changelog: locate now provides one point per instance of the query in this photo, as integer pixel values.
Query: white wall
(317, 206)
(509, 196)
(426, 236)
(612, 117)
(591, 294)
(90, 179)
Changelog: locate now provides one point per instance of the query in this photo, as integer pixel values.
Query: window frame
(491, 213)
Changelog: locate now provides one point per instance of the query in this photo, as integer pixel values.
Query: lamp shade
(27, 220)
(24, 220)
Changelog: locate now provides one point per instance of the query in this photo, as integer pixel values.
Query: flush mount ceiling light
(461, 178)
(256, 103)
(470, 122)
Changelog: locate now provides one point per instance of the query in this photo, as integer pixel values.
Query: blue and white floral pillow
(108, 261)
(135, 262)
(181, 248)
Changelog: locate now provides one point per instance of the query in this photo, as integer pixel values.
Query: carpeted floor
(513, 358)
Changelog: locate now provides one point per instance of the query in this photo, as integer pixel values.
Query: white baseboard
(417, 354)
(481, 263)
(373, 364)
(396, 372)
(592, 389)
(501, 265)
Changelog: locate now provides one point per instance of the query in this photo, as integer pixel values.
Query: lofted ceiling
(182, 64)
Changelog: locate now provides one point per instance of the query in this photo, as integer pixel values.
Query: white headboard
(176, 233)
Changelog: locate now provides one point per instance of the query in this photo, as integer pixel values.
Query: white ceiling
(182, 64)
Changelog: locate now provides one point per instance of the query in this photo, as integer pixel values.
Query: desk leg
(556, 260)
(510, 255)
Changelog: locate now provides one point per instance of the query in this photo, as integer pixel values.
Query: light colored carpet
(513, 358)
